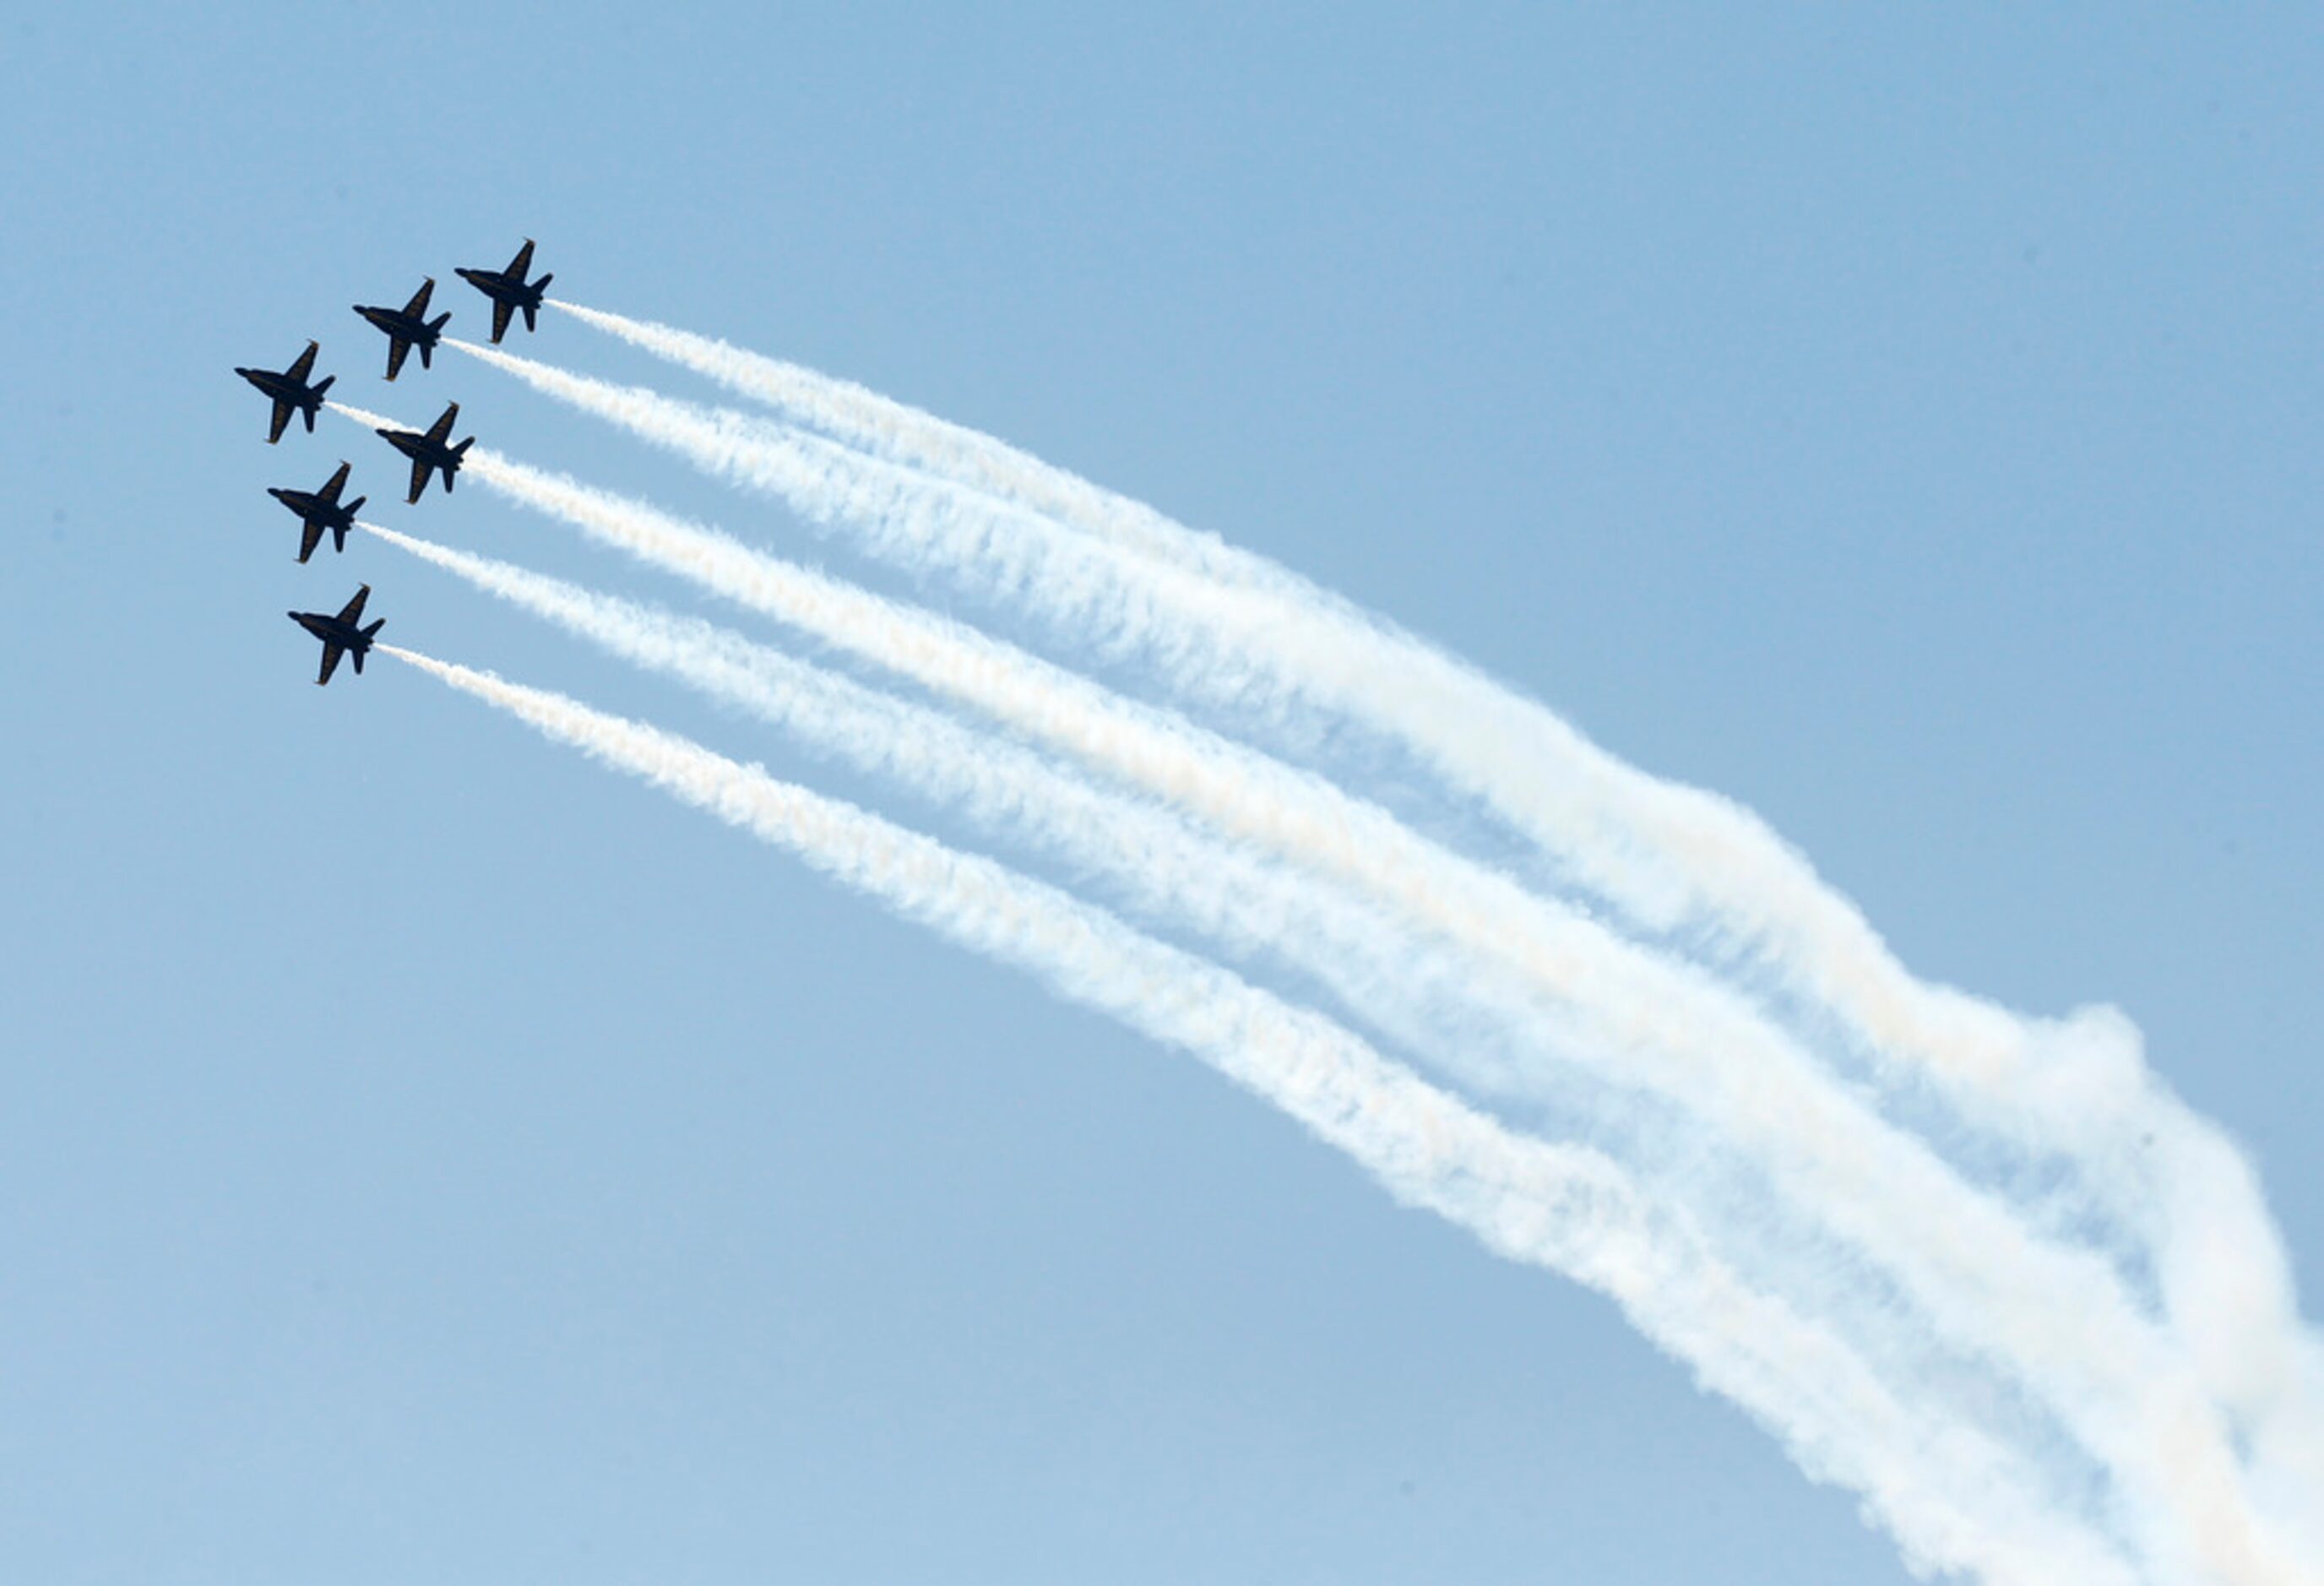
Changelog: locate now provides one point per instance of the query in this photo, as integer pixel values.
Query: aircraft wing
(331, 653)
(523, 262)
(501, 309)
(417, 305)
(354, 613)
(419, 470)
(331, 489)
(283, 411)
(307, 542)
(441, 430)
(397, 349)
(305, 366)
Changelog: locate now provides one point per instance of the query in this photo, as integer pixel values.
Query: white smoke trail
(1254, 908)
(2058, 1319)
(1661, 817)
(1953, 1500)
(1776, 899)
(1675, 859)
(368, 420)
(866, 419)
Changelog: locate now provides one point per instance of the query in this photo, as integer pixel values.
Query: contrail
(866, 419)
(1953, 1500)
(1986, 1272)
(368, 420)
(1678, 860)
(1972, 1266)
(1255, 908)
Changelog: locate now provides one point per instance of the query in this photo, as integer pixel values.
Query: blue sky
(424, 1155)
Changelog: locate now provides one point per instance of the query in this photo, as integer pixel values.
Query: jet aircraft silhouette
(320, 509)
(408, 328)
(340, 635)
(291, 390)
(431, 451)
(508, 290)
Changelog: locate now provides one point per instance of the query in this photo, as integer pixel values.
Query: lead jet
(408, 328)
(508, 290)
(340, 635)
(291, 390)
(431, 451)
(320, 509)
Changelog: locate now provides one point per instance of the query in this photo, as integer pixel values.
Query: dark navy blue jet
(320, 509)
(340, 635)
(431, 451)
(408, 328)
(291, 390)
(507, 290)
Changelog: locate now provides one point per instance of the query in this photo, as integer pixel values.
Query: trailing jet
(340, 635)
(291, 390)
(431, 451)
(321, 510)
(508, 290)
(408, 328)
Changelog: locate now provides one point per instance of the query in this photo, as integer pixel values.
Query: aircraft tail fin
(532, 304)
(356, 505)
(426, 350)
(371, 630)
(324, 384)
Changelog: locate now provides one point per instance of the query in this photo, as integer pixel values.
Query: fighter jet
(508, 290)
(321, 510)
(340, 635)
(291, 390)
(429, 452)
(407, 328)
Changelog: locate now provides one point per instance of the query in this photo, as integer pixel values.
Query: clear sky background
(424, 1156)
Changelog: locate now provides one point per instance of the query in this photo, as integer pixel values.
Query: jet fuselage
(431, 452)
(320, 516)
(344, 634)
(289, 392)
(403, 327)
(331, 631)
(509, 290)
(407, 328)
